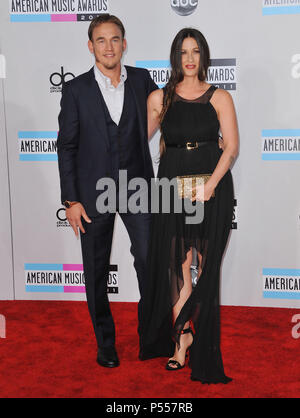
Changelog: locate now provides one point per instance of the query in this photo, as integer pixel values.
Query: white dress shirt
(113, 96)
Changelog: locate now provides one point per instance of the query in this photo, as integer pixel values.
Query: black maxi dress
(171, 239)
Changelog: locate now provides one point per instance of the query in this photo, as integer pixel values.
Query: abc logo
(184, 7)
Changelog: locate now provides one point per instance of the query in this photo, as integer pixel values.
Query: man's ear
(124, 44)
(91, 47)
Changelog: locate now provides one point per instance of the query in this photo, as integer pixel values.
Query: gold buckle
(189, 145)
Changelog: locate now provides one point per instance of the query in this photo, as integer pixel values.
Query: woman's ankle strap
(186, 330)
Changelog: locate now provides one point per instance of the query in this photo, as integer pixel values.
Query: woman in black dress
(179, 316)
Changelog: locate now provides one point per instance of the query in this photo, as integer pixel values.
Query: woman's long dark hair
(177, 71)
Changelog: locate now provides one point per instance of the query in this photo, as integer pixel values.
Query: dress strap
(209, 93)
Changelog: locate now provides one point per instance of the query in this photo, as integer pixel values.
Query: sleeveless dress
(171, 239)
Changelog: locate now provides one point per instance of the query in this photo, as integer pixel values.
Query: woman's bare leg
(185, 339)
(199, 265)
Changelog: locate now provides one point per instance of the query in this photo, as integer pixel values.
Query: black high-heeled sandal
(175, 362)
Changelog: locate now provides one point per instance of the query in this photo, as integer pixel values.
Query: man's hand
(74, 215)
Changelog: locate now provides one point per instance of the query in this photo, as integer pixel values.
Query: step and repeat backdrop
(255, 55)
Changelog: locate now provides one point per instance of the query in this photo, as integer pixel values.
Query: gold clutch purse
(186, 184)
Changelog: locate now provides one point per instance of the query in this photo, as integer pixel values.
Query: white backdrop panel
(6, 280)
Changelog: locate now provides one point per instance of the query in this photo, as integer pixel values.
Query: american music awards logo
(280, 7)
(63, 278)
(221, 73)
(37, 145)
(57, 80)
(281, 283)
(56, 10)
(280, 144)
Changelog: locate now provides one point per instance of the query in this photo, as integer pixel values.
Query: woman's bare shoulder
(222, 96)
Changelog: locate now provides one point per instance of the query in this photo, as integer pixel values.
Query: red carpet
(49, 351)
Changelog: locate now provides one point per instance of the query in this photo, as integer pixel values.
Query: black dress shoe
(108, 357)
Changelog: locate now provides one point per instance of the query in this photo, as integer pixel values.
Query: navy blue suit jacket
(83, 144)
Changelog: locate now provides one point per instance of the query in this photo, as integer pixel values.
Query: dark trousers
(96, 248)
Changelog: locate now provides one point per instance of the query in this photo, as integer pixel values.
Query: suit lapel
(96, 102)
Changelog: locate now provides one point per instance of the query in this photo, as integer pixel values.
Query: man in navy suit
(102, 130)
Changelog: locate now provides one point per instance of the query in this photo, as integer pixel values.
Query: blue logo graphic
(280, 7)
(159, 70)
(37, 145)
(281, 283)
(280, 144)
